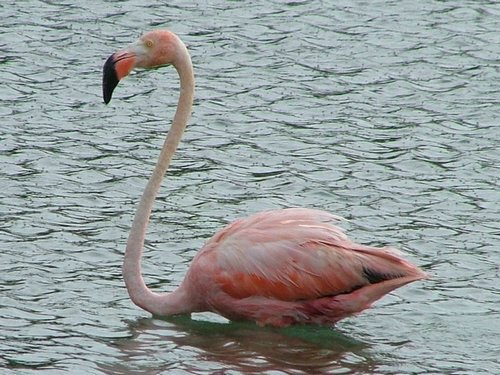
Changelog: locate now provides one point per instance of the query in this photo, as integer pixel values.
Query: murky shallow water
(383, 112)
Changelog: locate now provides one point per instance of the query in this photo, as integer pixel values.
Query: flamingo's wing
(298, 254)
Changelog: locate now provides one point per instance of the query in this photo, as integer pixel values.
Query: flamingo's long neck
(141, 295)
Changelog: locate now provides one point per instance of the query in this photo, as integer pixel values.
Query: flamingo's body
(290, 266)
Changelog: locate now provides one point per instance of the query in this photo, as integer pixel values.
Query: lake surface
(384, 112)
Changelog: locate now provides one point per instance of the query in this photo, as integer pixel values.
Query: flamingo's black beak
(117, 66)
(109, 78)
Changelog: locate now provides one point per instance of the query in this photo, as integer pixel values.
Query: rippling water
(384, 112)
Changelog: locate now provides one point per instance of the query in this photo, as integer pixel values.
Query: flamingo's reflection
(200, 346)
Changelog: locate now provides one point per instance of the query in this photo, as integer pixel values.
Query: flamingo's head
(153, 49)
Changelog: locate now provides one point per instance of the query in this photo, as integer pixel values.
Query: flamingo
(278, 268)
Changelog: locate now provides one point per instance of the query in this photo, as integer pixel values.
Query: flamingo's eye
(148, 43)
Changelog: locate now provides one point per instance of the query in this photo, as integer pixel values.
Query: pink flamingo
(282, 267)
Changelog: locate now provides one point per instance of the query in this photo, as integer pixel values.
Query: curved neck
(141, 295)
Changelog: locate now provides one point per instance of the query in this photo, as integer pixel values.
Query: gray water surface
(384, 112)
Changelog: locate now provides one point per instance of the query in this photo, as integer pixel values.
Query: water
(384, 112)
